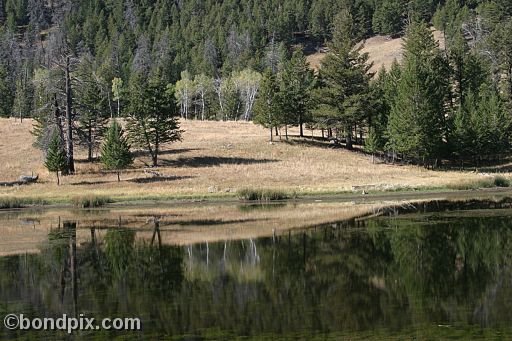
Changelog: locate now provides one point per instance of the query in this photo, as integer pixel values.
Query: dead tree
(69, 119)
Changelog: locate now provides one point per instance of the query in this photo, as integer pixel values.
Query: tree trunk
(89, 142)
(202, 107)
(271, 135)
(118, 177)
(277, 131)
(69, 107)
(301, 126)
(58, 179)
(157, 147)
(349, 139)
(58, 120)
(286, 131)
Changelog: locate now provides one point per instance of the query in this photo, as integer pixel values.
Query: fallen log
(23, 180)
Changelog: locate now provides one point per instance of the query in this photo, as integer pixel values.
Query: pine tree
(56, 156)
(152, 119)
(491, 123)
(296, 84)
(417, 125)
(115, 153)
(267, 109)
(389, 17)
(344, 79)
(372, 143)
(93, 108)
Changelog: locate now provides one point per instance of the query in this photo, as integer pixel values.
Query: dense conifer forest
(75, 65)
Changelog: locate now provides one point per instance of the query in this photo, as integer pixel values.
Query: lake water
(430, 276)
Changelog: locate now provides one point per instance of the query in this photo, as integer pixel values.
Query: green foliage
(372, 143)
(416, 125)
(115, 154)
(295, 92)
(482, 125)
(152, 119)
(93, 107)
(500, 181)
(344, 79)
(119, 247)
(389, 17)
(56, 156)
(267, 109)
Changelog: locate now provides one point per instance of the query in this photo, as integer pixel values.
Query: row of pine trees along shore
(110, 74)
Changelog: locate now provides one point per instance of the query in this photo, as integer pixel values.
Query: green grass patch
(262, 194)
(90, 201)
(10, 203)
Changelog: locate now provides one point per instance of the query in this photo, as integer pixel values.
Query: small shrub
(251, 194)
(500, 181)
(90, 201)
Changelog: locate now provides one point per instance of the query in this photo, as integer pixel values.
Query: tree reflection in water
(385, 277)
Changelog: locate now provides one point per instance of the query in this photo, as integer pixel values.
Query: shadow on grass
(144, 153)
(159, 179)
(90, 183)
(209, 161)
(80, 160)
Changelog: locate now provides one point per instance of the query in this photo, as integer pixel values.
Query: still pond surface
(430, 276)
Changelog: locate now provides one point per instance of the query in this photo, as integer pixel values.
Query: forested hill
(202, 36)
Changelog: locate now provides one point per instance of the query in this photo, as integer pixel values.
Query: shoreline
(41, 202)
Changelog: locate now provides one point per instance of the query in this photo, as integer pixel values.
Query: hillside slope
(382, 51)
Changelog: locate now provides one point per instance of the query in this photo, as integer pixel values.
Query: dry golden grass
(214, 159)
(382, 51)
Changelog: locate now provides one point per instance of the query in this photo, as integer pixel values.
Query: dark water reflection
(419, 277)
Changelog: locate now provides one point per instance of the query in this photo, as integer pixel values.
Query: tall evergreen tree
(297, 82)
(417, 126)
(152, 119)
(372, 143)
(267, 109)
(344, 78)
(93, 109)
(56, 156)
(115, 153)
